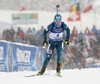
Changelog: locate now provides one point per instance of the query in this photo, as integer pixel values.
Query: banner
(26, 58)
(4, 56)
(93, 66)
(25, 18)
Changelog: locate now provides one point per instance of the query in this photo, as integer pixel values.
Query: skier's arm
(49, 27)
(68, 32)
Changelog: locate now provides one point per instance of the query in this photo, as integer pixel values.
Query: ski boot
(42, 71)
(58, 68)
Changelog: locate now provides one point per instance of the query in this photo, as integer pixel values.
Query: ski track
(75, 76)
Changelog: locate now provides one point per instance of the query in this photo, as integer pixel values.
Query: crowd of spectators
(31, 36)
(85, 49)
(84, 46)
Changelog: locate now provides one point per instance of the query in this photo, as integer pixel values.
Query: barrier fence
(19, 57)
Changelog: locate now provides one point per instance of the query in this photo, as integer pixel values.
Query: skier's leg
(48, 54)
(50, 50)
(58, 68)
(59, 49)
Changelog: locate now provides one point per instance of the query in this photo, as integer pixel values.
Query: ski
(41, 75)
(32, 75)
(35, 75)
(58, 75)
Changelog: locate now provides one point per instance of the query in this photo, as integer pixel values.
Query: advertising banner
(26, 58)
(25, 18)
(4, 56)
(93, 66)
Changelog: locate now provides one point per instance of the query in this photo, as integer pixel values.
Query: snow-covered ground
(75, 76)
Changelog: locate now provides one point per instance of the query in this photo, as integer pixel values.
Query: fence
(18, 57)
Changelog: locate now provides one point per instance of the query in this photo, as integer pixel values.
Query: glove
(44, 43)
(66, 42)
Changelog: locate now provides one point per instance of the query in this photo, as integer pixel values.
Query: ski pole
(69, 49)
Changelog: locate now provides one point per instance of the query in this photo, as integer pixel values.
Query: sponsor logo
(23, 55)
(57, 17)
(49, 51)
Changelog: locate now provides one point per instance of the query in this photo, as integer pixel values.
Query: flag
(75, 8)
(22, 8)
(74, 13)
(75, 17)
(88, 9)
(89, 6)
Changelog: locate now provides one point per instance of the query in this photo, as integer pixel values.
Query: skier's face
(58, 23)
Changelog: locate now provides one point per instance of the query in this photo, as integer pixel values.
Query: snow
(75, 76)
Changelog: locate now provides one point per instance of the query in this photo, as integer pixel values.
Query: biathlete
(56, 30)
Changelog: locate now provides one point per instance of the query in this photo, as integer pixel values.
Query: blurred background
(23, 21)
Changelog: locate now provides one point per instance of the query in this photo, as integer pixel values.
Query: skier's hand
(66, 42)
(44, 43)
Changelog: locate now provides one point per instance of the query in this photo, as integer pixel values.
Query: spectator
(71, 37)
(87, 31)
(34, 31)
(74, 31)
(21, 34)
(4, 35)
(28, 31)
(94, 30)
(18, 31)
(93, 37)
(85, 53)
(15, 38)
(87, 39)
(11, 33)
(7, 34)
(99, 54)
(80, 36)
(98, 40)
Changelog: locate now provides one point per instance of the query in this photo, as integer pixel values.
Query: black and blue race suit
(55, 41)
